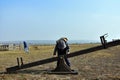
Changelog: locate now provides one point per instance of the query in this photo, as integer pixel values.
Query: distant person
(26, 48)
(62, 49)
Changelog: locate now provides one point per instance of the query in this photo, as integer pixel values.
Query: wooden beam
(45, 61)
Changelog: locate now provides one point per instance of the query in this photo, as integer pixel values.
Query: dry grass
(99, 65)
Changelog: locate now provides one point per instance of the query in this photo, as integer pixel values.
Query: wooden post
(21, 61)
(18, 61)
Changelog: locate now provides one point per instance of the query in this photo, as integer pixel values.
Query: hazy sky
(52, 19)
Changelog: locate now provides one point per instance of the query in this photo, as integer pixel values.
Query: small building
(4, 47)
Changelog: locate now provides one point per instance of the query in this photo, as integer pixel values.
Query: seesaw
(62, 68)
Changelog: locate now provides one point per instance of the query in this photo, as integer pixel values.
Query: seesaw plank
(45, 61)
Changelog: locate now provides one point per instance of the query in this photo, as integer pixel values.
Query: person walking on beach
(62, 49)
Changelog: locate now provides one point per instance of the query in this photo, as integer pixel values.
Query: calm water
(47, 42)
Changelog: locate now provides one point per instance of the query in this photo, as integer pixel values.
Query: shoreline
(47, 42)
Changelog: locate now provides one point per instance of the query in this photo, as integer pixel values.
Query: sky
(52, 19)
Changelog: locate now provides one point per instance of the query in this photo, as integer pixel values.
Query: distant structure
(4, 47)
(7, 47)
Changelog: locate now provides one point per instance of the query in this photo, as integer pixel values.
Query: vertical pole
(21, 61)
(103, 41)
(18, 61)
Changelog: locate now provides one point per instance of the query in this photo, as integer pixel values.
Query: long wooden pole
(45, 61)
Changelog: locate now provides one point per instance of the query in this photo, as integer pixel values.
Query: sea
(48, 42)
